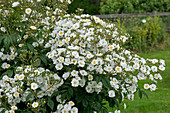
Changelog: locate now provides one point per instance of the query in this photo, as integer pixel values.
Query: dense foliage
(145, 34)
(52, 61)
(134, 6)
(91, 7)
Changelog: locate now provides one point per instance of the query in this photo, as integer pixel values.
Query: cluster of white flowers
(8, 57)
(74, 42)
(84, 50)
(40, 83)
(66, 108)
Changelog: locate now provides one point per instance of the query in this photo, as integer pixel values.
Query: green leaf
(85, 103)
(39, 35)
(140, 93)
(44, 59)
(14, 38)
(116, 102)
(28, 97)
(28, 111)
(1, 38)
(43, 110)
(8, 72)
(55, 93)
(120, 98)
(145, 94)
(50, 103)
(97, 106)
(6, 42)
(52, 66)
(23, 32)
(70, 91)
(37, 62)
(106, 82)
(104, 110)
(98, 79)
(63, 96)
(100, 98)
(30, 47)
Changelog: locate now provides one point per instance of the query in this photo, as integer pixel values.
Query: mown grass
(159, 100)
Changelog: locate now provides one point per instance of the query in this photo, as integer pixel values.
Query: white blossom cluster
(66, 108)
(7, 57)
(37, 83)
(74, 42)
(83, 48)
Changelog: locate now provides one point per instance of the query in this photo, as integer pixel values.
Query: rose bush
(52, 61)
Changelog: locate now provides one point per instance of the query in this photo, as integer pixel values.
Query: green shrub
(133, 6)
(144, 35)
(54, 62)
(89, 6)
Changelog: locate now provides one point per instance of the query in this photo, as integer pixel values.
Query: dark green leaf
(6, 42)
(70, 91)
(63, 96)
(55, 93)
(8, 72)
(28, 111)
(43, 110)
(39, 35)
(97, 106)
(23, 32)
(116, 102)
(30, 47)
(1, 38)
(52, 66)
(44, 59)
(68, 96)
(140, 93)
(14, 38)
(104, 110)
(50, 103)
(28, 97)
(106, 82)
(85, 103)
(100, 98)
(98, 79)
(120, 98)
(145, 94)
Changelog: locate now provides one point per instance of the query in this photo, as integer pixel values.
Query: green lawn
(159, 100)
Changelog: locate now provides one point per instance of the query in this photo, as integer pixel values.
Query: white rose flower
(33, 27)
(35, 104)
(34, 86)
(74, 82)
(143, 21)
(59, 66)
(28, 11)
(152, 87)
(3, 29)
(15, 4)
(146, 86)
(74, 110)
(111, 93)
(21, 77)
(14, 107)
